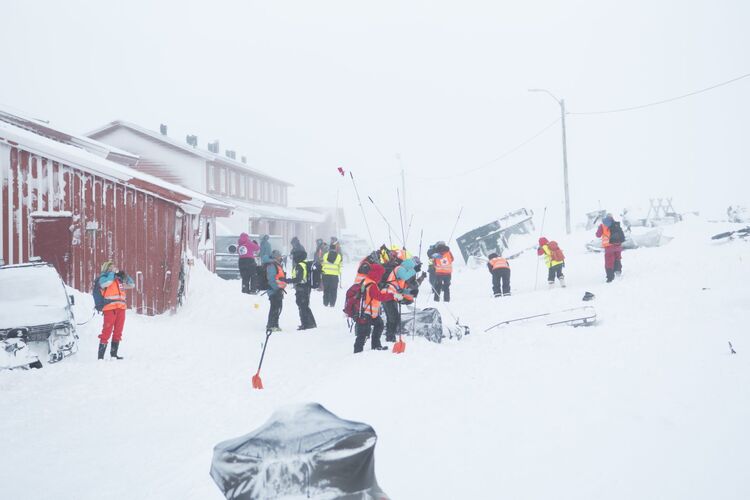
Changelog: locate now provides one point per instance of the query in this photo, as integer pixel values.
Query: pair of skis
(576, 316)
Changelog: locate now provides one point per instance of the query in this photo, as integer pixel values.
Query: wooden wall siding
(146, 235)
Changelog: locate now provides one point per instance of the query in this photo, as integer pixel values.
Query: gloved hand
(398, 296)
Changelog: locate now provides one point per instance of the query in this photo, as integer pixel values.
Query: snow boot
(113, 351)
(551, 284)
(102, 350)
(562, 282)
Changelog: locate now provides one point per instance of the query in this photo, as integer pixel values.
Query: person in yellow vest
(500, 270)
(331, 269)
(113, 284)
(442, 260)
(555, 260)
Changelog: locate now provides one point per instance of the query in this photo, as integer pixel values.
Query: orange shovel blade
(257, 382)
(399, 347)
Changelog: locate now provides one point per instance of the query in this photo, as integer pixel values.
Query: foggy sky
(304, 87)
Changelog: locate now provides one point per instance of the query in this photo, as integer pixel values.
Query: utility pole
(561, 102)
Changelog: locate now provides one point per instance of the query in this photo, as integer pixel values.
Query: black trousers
(501, 281)
(443, 284)
(330, 289)
(368, 326)
(555, 272)
(393, 320)
(249, 273)
(302, 297)
(277, 302)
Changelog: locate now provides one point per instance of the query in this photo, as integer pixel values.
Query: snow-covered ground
(648, 404)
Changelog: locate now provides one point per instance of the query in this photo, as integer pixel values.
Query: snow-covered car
(36, 316)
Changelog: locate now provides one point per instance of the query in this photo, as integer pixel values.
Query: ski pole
(541, 233)
(455, 225)
(408, 230)
(359, 200)
(257, 382)
(390, 228)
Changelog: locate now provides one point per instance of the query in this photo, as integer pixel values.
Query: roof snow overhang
(75, 156)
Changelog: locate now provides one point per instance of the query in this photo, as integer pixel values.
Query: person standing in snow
(301, 280)
(612, 238)
(401, 282)
(500, 271)
(321, 247)
(371, 323)
(247, 251)
(276, 285)
(113, 284)
(555, 260)
(331, 274)
(442, 259)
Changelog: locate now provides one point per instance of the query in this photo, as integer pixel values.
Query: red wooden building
(76, 203)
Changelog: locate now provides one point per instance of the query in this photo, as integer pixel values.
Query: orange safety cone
(400, 346)
(257, 382)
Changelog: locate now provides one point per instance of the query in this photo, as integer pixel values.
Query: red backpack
(355, 301)
(556, 253)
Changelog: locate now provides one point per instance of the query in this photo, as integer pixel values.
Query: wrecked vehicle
(35, 312)
(428, 323)
(302, 451)
(494, 237)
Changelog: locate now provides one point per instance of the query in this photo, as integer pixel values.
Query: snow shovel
(257, 382)
(400, 346)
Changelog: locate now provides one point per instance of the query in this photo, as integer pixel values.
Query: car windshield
(39, 285)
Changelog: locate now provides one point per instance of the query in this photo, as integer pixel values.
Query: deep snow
(647, 404)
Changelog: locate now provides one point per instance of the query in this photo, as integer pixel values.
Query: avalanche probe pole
(390, 228)
(408, 229)
(401, 218)
(541, 232)
(455, 225)
(359, 200)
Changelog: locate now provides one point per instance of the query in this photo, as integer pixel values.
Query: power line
(633, 108)
(505, 154)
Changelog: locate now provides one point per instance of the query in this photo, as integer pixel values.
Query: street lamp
(561, 102)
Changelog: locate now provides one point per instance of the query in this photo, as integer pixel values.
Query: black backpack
(99, 300)
(616, 236)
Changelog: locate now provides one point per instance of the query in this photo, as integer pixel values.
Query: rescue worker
(321, 247)
(331, 269)
(113, 283)
(555, 260)
(265, 257)
(247, 250)
(335, 245)
(442, 259)
(276, 285)
(431, 266)
(399, 282)
(301, 280)
(612, 238)
(365, 265)
(371, 324)
(500, 270)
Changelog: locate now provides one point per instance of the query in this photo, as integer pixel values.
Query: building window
(242, 182)
(211, 178)
(250, 188)
(235, 183)
(223, 180)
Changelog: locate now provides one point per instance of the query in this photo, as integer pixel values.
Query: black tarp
(301, 452)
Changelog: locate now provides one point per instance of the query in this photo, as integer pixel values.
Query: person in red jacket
(247, 250)
(612, 238)
(371, 324)
(113, 284)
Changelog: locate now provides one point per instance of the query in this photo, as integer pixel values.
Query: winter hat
(264, 238)
(275, 254)
(608, 220)
(107, 265)
(495, 256)
(376, 272)
(543, 241)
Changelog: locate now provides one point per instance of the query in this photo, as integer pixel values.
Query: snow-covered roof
(44, 128)
(201, 153)
(76, 156)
